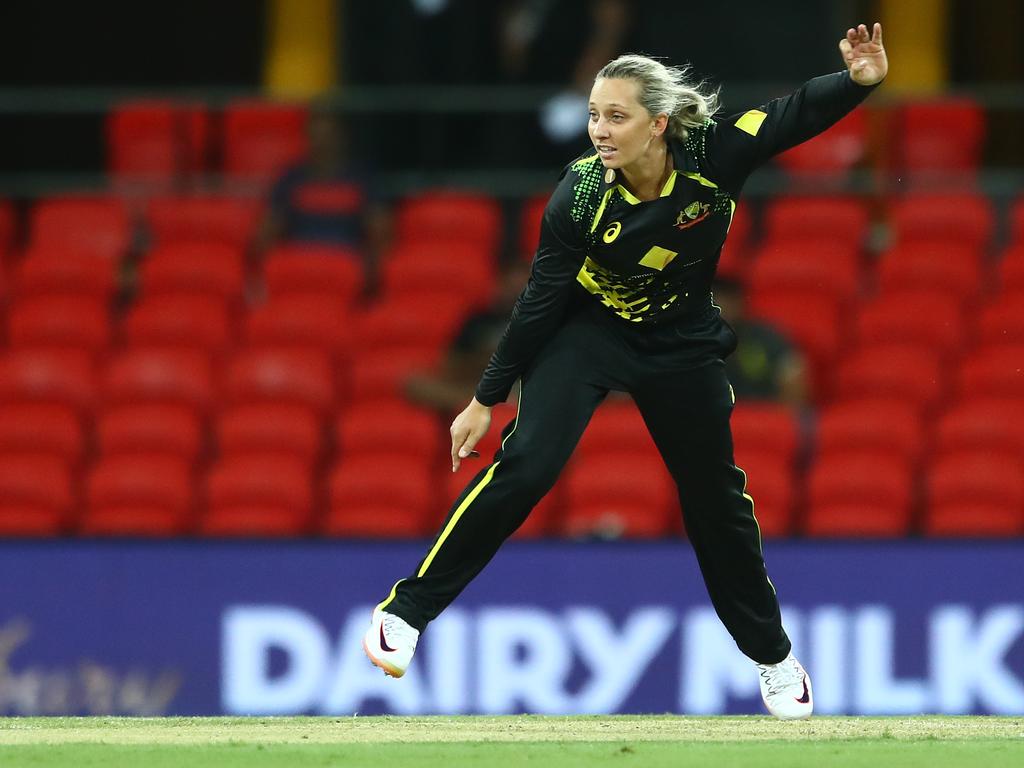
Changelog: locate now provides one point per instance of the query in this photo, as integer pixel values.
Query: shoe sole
(389, 669)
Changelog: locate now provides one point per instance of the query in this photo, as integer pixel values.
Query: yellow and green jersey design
(650, 263)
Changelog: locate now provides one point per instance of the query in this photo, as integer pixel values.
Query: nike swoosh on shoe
(385, 647)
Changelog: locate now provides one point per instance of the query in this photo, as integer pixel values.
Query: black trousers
(678, 382)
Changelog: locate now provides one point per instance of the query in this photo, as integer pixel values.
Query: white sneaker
(786, 689)
(390, 642)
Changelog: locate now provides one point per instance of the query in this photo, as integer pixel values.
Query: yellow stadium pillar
(301, 58)
(915, 39)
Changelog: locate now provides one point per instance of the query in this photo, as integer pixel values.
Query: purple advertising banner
(275, 628)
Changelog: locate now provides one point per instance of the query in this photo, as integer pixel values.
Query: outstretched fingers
(876, 34)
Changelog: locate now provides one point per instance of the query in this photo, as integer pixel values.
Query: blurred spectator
(765, 365)
(563, 43)
(328, 199)
(451, 387)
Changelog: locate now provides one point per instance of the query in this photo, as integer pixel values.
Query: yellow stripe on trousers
(447, 530)
(470, 498)
(458, 512)
(455, 517)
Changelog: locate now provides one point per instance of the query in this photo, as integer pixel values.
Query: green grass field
(496, 742)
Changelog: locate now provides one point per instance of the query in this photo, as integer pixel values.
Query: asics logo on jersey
(612, 232)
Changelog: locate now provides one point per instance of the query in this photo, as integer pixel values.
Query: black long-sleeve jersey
(651, 263)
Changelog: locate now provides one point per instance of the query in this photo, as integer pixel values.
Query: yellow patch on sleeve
(751, 121)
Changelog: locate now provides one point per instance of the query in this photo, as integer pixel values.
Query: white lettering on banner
(968, 655)
(450, 671)
(616, 661)
(829, 646)
(506, 659)
(713, 666)
(249, 633)
(523, 661)
(877, 690)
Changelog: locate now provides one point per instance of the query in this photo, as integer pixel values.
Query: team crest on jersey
(692, 214)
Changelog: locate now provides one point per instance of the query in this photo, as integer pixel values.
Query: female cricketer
(619, 299)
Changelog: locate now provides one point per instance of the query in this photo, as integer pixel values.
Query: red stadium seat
(301, 377)
(466, 274)
(157, 140)
(301, 320)
(98, 225)
(307, 268)
(1011, 269)
(818, 267)
(617, 495)
(205, 219)
(450, 215)
(36, 495)
(929, 319)
(832, 153)
(615, 428)
(48, 376)
(816, 218)
(427, 321)
(139, 495)
(771, 484)
(910, 374)
(765, 428)
(381, 375)
(42, 428)
(160, 376)
(937, 265)
(184, 321)
(374, 497)
(815, 323)
(993, 424)
(46, 271)
(1016, 223)
(214, 269)
(169, 429)
(8, 227)
(886, 427)
(993, 371)
(60, 322)
(270, 428)
(391, 429)
(965, 219)
(978, 493)
(859, 494)
(1002, 321)
(942, 135)
(258, 495)
(261, 139)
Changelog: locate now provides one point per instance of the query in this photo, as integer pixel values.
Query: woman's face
(620, 128)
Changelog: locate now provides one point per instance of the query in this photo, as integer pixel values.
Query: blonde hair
(665, 90)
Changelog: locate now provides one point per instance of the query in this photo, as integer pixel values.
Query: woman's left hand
(864, 56)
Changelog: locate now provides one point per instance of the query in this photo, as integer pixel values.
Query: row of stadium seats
(163, 139)
(189, 344)
(270, 468)
(110, 226)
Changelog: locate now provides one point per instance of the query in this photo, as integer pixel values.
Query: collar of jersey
(684, 164)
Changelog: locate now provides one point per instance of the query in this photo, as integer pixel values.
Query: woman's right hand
(467, 430)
